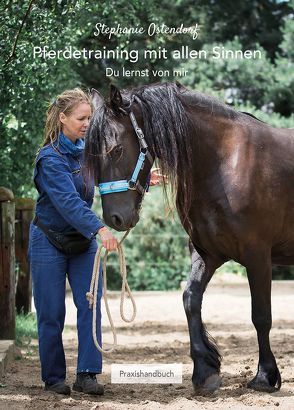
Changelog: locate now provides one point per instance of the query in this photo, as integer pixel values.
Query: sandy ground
(159, 335)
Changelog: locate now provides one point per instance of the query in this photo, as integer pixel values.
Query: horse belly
(214, 234)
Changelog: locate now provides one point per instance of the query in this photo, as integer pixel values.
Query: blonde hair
(65, 102)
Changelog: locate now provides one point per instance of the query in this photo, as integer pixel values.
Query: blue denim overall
(64, 202)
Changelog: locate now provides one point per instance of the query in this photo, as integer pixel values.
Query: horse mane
(167, 128)
(252, 116)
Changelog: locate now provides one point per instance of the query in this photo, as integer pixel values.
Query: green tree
(27, 83)
(235, 80)
(282, 90)
(254, 22)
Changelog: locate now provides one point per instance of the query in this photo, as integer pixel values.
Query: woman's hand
(157, 177)
(108, 240)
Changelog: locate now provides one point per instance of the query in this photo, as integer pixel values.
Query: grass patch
(26, 329)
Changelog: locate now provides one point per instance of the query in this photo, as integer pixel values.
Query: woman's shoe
(87, 383)
(60, 388)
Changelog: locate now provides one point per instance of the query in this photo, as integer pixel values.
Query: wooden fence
(24, 211)
(15, 280)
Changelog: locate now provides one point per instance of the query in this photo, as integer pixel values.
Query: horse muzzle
(121, 222)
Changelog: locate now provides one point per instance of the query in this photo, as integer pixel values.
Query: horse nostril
(117, 220)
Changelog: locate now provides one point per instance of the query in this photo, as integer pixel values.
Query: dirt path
(160, 335)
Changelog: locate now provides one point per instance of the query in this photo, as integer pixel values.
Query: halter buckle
(132, 185)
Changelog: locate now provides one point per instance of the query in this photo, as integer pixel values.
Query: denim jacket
(64, 200)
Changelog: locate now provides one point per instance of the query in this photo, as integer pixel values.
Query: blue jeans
(49, 267)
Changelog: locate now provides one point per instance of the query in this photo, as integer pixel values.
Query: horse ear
(97, 99)
(115, 97)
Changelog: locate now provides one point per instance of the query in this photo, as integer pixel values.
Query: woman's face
(74, 125)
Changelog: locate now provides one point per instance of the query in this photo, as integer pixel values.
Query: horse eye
(116, 152)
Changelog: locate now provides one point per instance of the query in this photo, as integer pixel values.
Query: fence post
(7, 265)
(24, 211)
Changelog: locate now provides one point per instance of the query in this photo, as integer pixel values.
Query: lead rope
(92, 294)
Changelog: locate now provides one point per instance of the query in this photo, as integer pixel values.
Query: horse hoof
(211, 384)
(263, 386)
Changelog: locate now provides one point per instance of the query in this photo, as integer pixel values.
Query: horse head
(118, 157)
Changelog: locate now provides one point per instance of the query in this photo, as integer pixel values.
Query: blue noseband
(133, 183)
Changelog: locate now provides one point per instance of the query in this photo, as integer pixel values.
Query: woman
(63, 209)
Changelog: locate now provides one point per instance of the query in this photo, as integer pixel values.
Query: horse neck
(211, 139)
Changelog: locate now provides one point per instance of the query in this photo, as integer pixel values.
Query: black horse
(233, 178)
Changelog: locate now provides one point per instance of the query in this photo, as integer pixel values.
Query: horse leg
(259, 271)
(204, 351)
